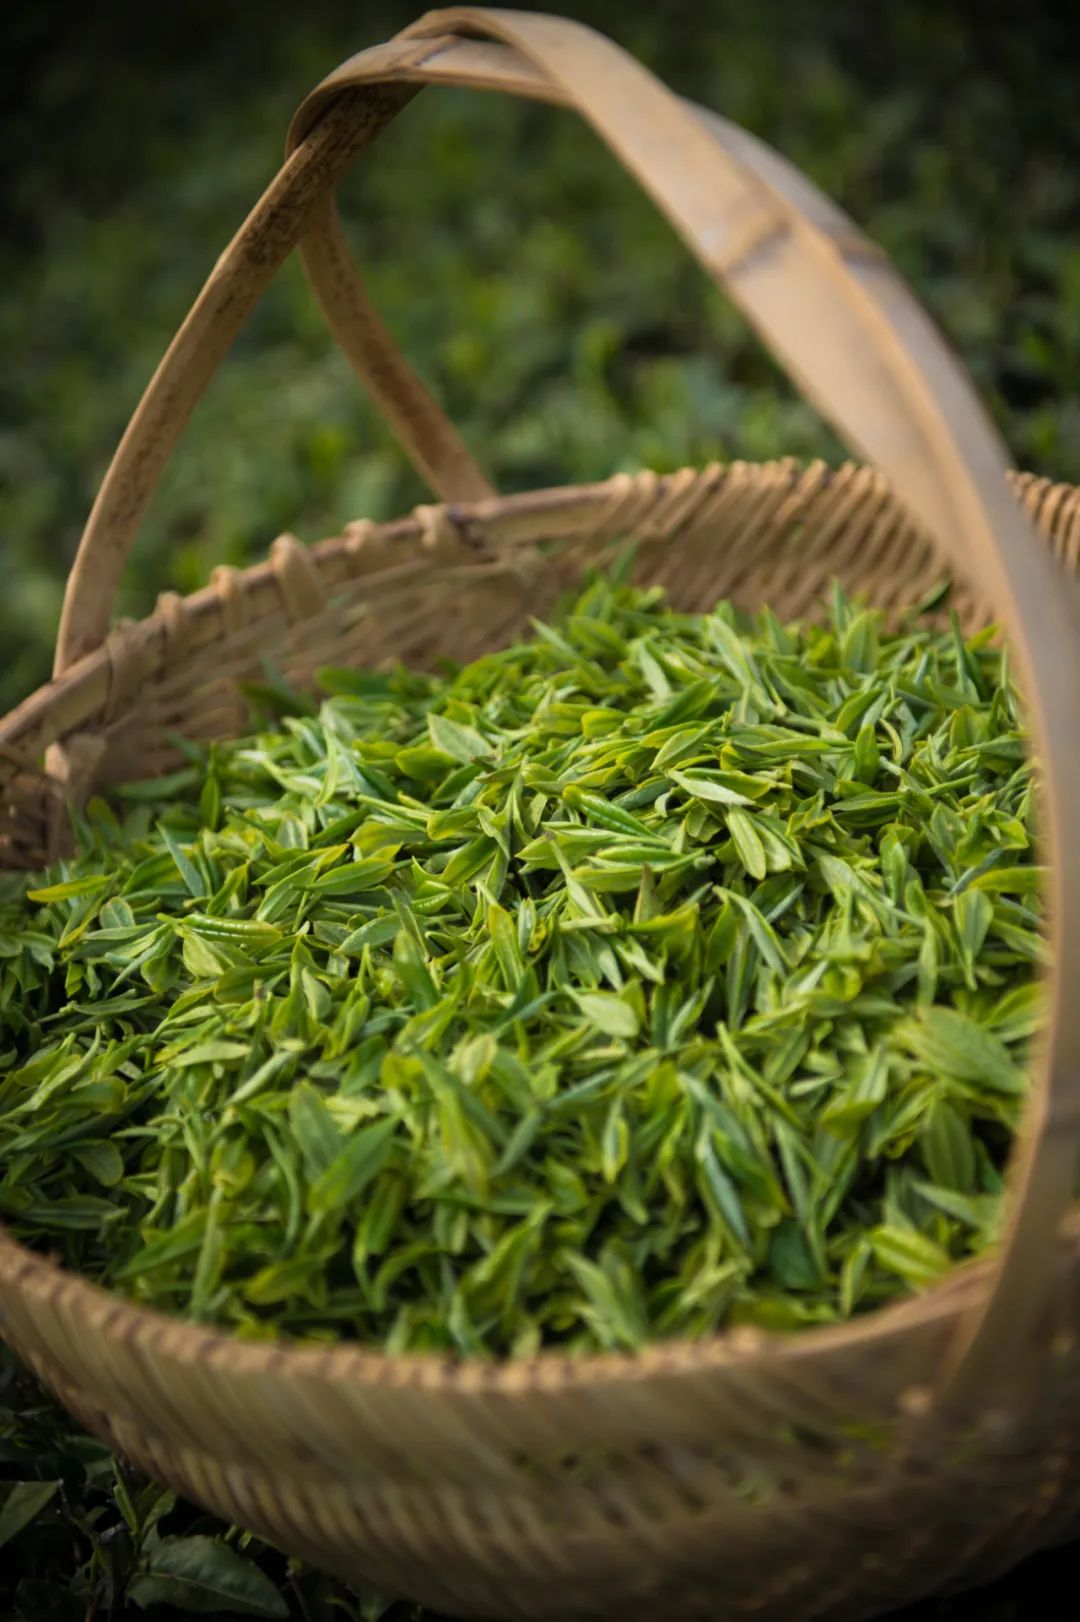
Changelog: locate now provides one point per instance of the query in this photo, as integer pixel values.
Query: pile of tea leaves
(657, 972)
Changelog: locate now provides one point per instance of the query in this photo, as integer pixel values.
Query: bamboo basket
(836, 1473)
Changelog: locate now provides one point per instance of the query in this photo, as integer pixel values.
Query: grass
(560, 322)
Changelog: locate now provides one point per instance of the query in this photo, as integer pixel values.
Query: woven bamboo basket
(835, 1473)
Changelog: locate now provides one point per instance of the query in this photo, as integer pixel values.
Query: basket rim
(80, 691)
(551, 1370)
(61, 705)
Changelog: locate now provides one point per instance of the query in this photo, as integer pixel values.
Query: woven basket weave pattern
(458, 580)
(788, 1476)
(835, 1473)
(542, 1501)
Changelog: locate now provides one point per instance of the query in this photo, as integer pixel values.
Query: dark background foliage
(563, 326)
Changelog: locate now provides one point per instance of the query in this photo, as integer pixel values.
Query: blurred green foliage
(553, 310)
(557, 317)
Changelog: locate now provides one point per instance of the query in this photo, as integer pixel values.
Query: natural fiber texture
(837, 1473)
(456, 581)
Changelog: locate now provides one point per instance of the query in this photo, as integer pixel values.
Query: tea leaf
(203, 1575)
(21, 1502)
(608, 1013)
(353, 1168)
(460, 742)
(951, 1044)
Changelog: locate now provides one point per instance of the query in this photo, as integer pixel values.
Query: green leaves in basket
(657, 972)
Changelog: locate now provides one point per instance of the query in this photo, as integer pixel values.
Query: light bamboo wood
(727, 1468)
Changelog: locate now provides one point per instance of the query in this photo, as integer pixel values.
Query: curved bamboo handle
(237, 282)
(832, 309)
(830, 306)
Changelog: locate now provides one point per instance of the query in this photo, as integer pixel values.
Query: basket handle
(833, 310)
